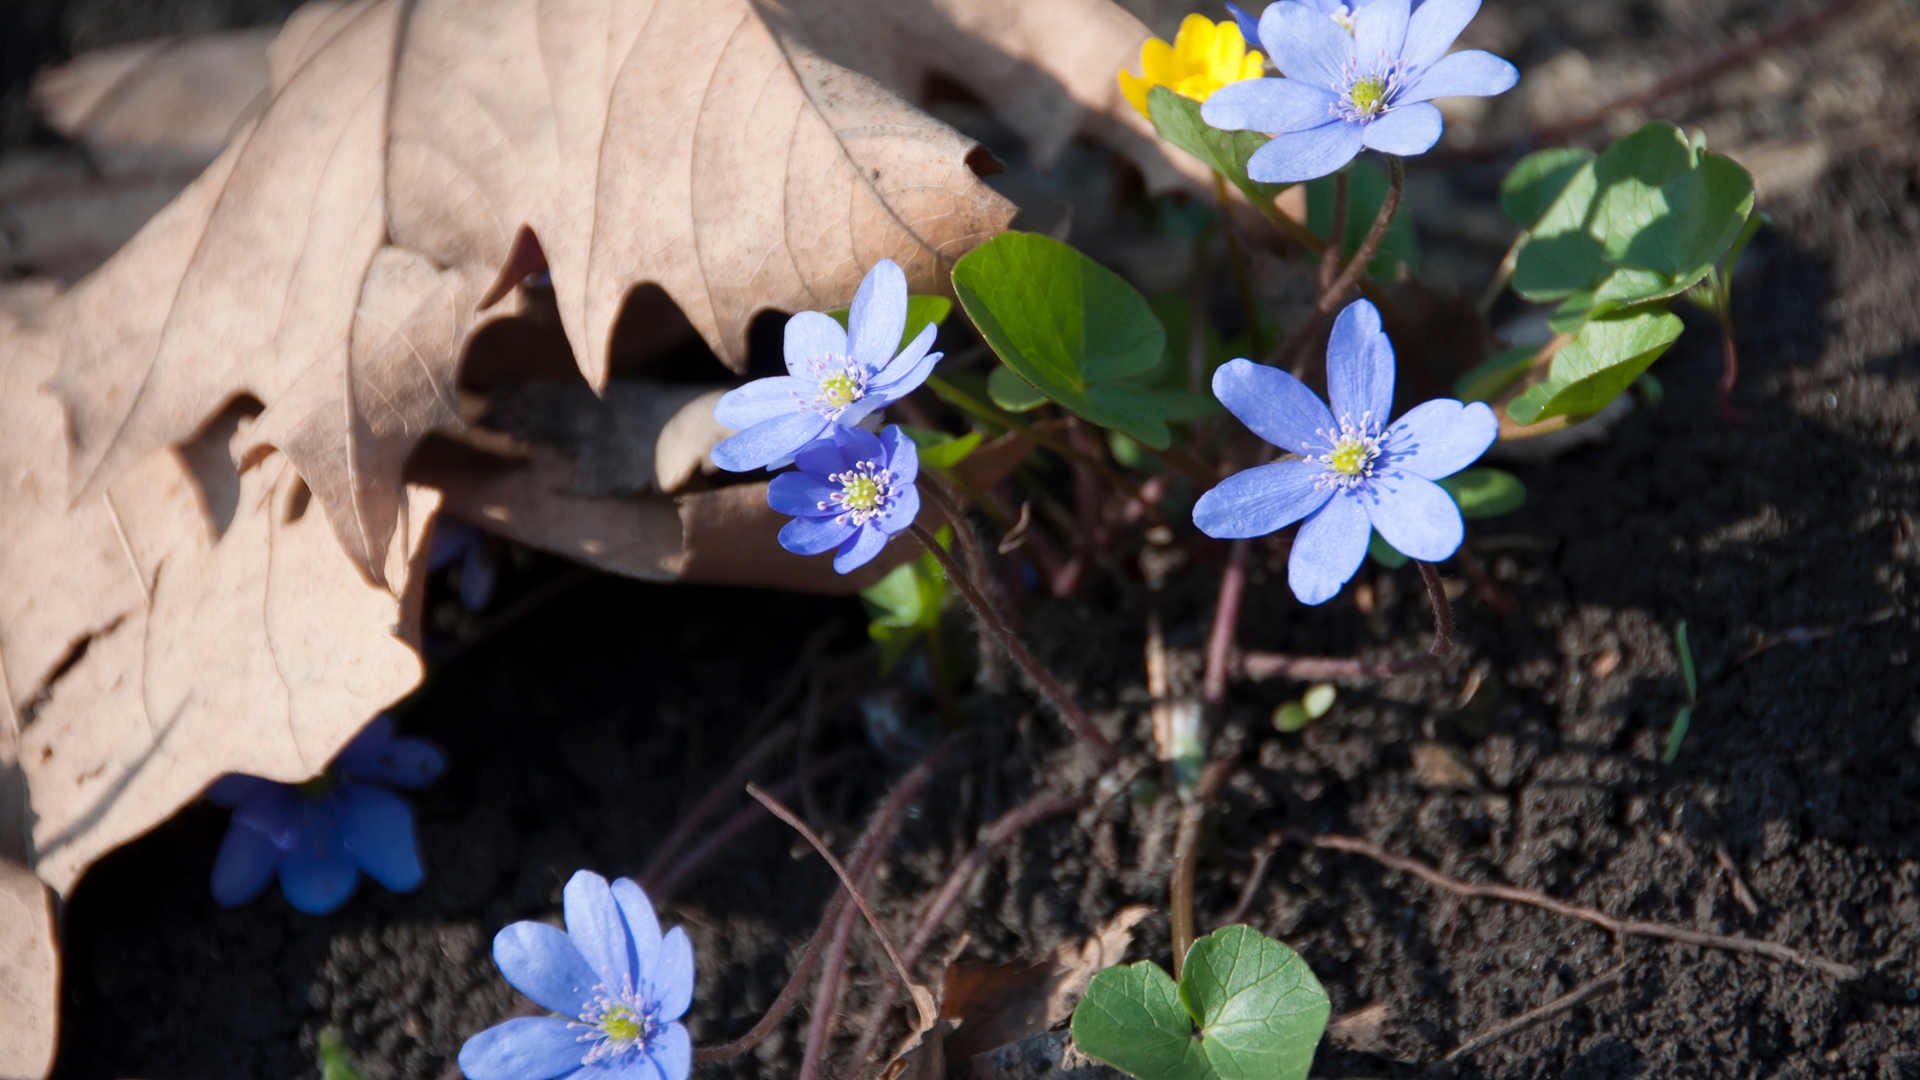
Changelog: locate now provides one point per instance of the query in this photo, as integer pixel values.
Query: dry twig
(1258, 666)
(1576, 996)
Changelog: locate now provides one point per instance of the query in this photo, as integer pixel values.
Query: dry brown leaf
(1000, 1004)
(159, 101)
(29, 975)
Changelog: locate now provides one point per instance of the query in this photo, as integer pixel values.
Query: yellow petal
(1157, 63)
(1194, 43)
(1253, 67)
(1223, 63)
(1135, 88)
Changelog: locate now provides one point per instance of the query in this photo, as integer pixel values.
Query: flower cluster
(1203, 58)
(1354, 75)
(321, 834)
(618, 985)
(1355, 473)
(834, 377)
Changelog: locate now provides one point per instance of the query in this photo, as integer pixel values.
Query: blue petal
(1380, 29)
(1471, 73)
(1404, 130)
(1360, 367)
(376, 827)
(879, 315)
(823, 456)
(1273, 404)
(643, 926)
(812, 336)
(672, 980)
(857, 445)
(811, 536)
(860, 548)
(597, 928)
(1306, 44)
(672, 1053)
(316, 874)
(542, 963)
(233, 788)
(800, 494)
(1305, 155)
(901, 511)
(1434, 26)
(903, 456)
(277, 810)
(1328, 549)
(524, 1048)
(1260, 500)
(762, 400)
(904, 373)
(402, 762)
(768, 441)
(1416, 516)
(1269, 105)
(1439, 438)
(1249, 26)
(244, 866)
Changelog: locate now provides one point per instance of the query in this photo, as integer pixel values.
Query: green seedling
(1684, 716)
(1312, 705)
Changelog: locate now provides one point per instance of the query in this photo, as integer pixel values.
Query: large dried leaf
(1001, 1004)
(186, 622)
(29, 975)
(168, 99)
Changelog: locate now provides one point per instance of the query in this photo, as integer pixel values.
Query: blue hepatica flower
(321, 834)
(458, 542)
(618, 986)
(834, 376)
(1355, 474)
(1354, 76)
(852, 491)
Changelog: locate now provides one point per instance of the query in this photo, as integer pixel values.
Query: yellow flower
(1204, 57)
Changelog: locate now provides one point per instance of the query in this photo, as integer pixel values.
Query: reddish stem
(1258, 666)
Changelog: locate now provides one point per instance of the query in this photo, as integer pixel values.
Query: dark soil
(581, 730)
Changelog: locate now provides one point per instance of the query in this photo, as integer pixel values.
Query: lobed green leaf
(1537, 180)
(1132, 1019)
(1260, 1009)
(1485, 493)
(1591, 370)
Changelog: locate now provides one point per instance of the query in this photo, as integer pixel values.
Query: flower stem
(1186, 854)
(1330, 259)
(1069, 709)
(1354, 271)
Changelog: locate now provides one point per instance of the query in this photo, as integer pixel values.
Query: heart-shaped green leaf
(1132, 1019)
(1532, 185)
(1261, 1011)
(1013, 393)
(1074, 330)
(1591, 370)
(1177, 119)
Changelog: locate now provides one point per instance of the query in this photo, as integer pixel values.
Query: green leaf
(1126, 451)
(921, 310)
(335, 1062)
(1177, 119)
(1641, 222)
(1591, 370)
(1384, 553)
(912, 594)
(1492, 377)
(1132, 1018)
(938, 449)
(1686, 661)
(1291, 717)
(1068, 326)
(1484, 493)
(1260, 1009)
(1180, 406)
(1366, 190)
(1318, 699)
(1011, 392)
(1677, 733)
(1537, 180)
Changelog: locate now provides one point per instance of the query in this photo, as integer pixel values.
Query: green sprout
(1312, 705)
(1683, 717)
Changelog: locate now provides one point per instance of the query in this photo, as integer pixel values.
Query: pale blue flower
(1355, 474)
(834, 376)
(1354, 76)
(321, 834)
(617, 987)
(852, 490)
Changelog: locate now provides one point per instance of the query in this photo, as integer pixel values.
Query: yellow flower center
(859, 491)
(621, 1025)
(1350, 456)
(840, 390)
(1368, 94)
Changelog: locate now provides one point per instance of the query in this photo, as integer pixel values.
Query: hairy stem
(825, 1018)
(1186, 853)
(1069, 709)
(1258, 666)
(1353, 272)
